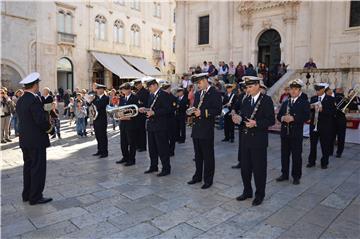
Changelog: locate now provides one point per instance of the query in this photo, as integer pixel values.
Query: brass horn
(119, 112)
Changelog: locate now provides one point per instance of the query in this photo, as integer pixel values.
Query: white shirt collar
(127, 97)
(156, 91)
(256, 96)
(101, 96)
(180, 97)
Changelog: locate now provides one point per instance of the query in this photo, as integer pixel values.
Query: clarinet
(152, 104)
(252, 117)
(288, 113)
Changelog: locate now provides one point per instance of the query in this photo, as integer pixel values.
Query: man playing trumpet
(321, 125)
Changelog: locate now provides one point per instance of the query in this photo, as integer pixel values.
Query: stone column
(318, 41)
(289, 21)
(246, 27)
(222, 31)
(180, 37)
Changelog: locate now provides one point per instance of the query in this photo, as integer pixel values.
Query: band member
(158, 110)
(180, 116)
(171, 119)
(100, 123)
(257, 115)
(143, 96)
(34, 127)
(340, 121)
(236, 109)
(228, 102)
(208, 105)
(321, 125)
(128, 128)
(294, 112)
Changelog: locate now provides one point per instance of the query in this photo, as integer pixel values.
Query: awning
(117, 65)
(142, 65)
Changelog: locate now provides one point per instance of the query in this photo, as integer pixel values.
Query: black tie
(252, 102)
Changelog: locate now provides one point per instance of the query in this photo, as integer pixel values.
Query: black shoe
(151, 170)
(310, 165)
(206, 185)
(163, 173)
(129, 164)
(338, 155)
(296, 181)
(181, 142)
(121, 161)
(3, 141)
(236, 166)
(231, 140)
(257, 201)
(8, 140)
(192, 181)
(97, 154)
(224, 140)
(141, 150)
(282, 178)
(41, 201)
(53, 137)
(25, 199)
(324, 167)
(172, 155)
(243, 197)
(103, 156)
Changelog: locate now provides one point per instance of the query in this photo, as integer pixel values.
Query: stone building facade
(268, 31)
(57, 39)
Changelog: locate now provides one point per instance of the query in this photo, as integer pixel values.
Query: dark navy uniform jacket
(131, 124)
(34, 124)
(162, 109)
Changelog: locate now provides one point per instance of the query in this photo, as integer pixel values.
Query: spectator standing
(6, 108)
(54, 119)
(232, 72)
(80, 114)
(14, 119)
(310, 64)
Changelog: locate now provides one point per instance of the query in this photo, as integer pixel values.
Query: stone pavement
(96, 198)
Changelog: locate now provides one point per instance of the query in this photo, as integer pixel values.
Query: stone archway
(10, 78)
(65, 74)
(269, 51)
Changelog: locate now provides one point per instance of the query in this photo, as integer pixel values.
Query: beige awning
(143, 65)
(117, 65)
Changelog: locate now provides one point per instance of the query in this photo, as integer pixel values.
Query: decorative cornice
(249, 7)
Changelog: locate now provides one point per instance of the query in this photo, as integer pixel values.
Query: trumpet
(317, 106)
(126, 111)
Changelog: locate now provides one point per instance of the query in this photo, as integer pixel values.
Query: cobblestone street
(96, 198)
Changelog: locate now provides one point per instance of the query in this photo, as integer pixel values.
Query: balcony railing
(66, 38)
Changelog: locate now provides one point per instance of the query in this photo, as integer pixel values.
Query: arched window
(135, 35)
(135, 4)
(64, 21)
(157, 9)
(100, 27)
(118, 31)
(156, 44)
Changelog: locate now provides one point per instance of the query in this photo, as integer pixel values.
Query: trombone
(126, 111)
(351, 96)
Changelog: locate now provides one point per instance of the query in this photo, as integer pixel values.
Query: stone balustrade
(346, 78)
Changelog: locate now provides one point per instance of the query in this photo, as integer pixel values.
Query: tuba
(93, 113)
(119, 112)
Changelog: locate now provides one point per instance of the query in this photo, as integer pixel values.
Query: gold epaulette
(206, 113)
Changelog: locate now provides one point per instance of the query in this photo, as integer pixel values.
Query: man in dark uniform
(294, 112)
(34, 127)
(207, 105)
(322, 105)
(228, 102)
(180, 116)
(100, 123)
(128, 127)
(257, 115)
(171, 119)
(157, 112)
(340, 121)
(235, 117)
(143, 96)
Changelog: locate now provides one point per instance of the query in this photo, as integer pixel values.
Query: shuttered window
(203, 30)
